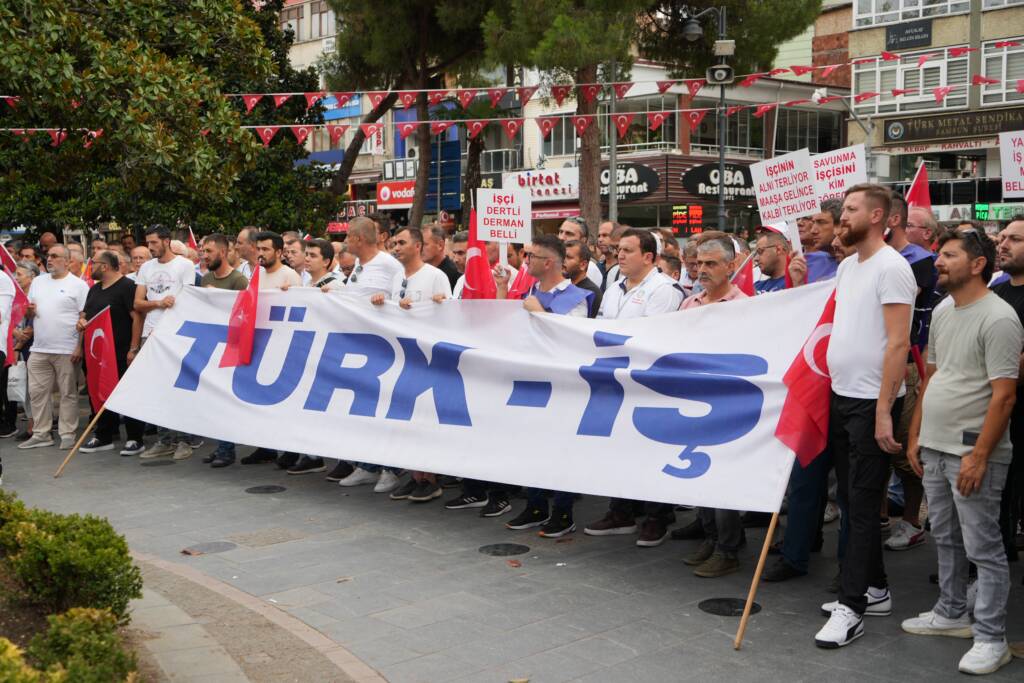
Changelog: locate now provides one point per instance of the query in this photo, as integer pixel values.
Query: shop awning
(548, 211)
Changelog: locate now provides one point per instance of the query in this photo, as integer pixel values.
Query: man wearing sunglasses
(374, 269)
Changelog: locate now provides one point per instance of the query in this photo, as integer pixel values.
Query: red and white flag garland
(623, 121)
(694, 118)
(512, 127)
(581, 123)
(473, 128)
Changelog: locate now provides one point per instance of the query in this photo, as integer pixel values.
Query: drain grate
(268, 488)
(727, 607)
(208, 548)
(504, 549)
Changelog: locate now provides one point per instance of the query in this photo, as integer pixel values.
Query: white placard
(839, 169)
(785, 187)
(1011, 157)
(503, 215)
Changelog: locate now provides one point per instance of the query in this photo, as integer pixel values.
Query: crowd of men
(924, 357)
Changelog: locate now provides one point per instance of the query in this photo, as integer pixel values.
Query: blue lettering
(441, 376)
(207, 336)
(247, 387)
(708, 378)
(363, 382)
(606, 396)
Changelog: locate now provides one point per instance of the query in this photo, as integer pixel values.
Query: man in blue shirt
(772, 258)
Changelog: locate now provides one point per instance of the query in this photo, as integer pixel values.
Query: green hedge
(13, 668)
(84, 643)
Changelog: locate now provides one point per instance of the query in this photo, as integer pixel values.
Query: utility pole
(613, 185)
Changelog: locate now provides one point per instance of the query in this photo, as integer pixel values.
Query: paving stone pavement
(405, 589)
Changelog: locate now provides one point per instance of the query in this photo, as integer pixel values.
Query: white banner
(839, 169)
(785, 187)
(679, 408)
(1011, 158)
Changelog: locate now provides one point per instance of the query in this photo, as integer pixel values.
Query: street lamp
(692, 32)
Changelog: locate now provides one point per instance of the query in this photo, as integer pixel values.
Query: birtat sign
(558, 185)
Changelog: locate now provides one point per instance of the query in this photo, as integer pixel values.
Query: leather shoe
(694, 531)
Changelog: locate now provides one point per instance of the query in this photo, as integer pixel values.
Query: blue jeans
(808, 488)
(967, 530)
(225, 451)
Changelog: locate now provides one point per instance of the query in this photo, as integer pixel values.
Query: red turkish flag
(695, 85)
(763, 109)
(694, 117)
(795, 103)
(581, 123)
(918, 195)
(924, 58)
(12, 101)
(589, 91)
(729, 111)
(829, 69)
(57, 137)
(438, 127)
(663, 86)
(434, 97)
(267, 134)
(100, 358)
(1007, 43)
(280, 99)
(623, 121)
(803, 423)
(242, 325)
(336, 131)
(799, 70)
(407, 98)
(511, 127)
(896, 92)
(313, 97)
(370, 129)
(300, 133)
(525, 93)
(1020, 85)
(779, 71)
(941, 92)
(250, 101)
(376, 97)
(20, 132)
(479, 282)
(981, 80)
(560, 92)
(744, 277)
(546, 124)
(18, 306)
(342, 98)
(864, 96)
(496, 94)
(621, 89)
(522, 283)
(465, 97)
(192, 243)
(406, 129)
(830, 98)
(890, 57)
(474, 128)
(961, 51)
(752, 79)
(655, 119)
(90, 137)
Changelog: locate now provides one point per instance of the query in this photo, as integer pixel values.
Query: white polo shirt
(657, 293)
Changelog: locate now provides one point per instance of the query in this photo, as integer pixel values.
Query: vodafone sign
(397, 194)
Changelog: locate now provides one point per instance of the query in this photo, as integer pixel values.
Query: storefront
(555, 194)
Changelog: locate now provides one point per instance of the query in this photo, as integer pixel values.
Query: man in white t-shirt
(245, 245)
(157, 283)
(8, 410)
(867, 354)
(375, 269)
(55, 300)
(275, 274)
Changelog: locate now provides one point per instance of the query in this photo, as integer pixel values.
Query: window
(639, 136)
(322, 20)
(1006, 65)
(744, 134)
(877, 12)
(818, 131)
(882, 77)
(562, 139)
(291, 19)
(996, 4)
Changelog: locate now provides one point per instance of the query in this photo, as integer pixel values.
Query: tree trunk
(472, 180)
(590, 156)
(352, 151)
(423, 170)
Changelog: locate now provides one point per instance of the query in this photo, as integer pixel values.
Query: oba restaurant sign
(397, 194)
(632, 181)
(556, 185)
(704, 181)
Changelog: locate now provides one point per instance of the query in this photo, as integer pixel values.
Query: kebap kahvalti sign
(707, 182)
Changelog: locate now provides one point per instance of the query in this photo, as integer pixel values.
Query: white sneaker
(831, 512)
(904, 536)
(66, 442)
(36, 441)
(182, 451)
(877, 606)
(387, 482)
(359, 477)
(842, 628)
(157, 450)
(932, 624)
(985, 658)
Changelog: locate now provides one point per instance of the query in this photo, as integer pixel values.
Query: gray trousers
(723, 527)
(967, 530)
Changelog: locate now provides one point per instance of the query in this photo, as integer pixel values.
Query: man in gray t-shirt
(958, 443)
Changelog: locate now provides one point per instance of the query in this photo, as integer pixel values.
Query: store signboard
(703, 181)
(687, 219)
(632, 181)
(968, 124)
(909, 34)
(556, 185)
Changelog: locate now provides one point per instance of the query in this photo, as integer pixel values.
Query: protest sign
(839, 169)
(1011, 157)
(627, 408)
(785, 187)
(503, 215)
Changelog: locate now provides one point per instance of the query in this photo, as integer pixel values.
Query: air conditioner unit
(328, 44)
(412, 152)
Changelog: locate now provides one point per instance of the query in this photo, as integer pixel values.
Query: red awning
(547, 211)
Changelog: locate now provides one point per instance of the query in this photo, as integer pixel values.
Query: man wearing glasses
(772, 249)
(374, 269)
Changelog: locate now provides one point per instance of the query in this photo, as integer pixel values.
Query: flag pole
(753, 583)
(81, 440)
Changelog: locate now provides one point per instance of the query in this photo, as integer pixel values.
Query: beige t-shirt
(280, 277)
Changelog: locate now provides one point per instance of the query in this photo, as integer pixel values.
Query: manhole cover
(265, 537)
(270, 488)
(207, 548)
(727, 607)
(504, 549)
(156, 463)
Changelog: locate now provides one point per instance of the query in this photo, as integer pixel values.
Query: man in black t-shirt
(118, 292)
(1010, 258)
(577, 261)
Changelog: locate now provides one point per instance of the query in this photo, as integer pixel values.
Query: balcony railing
(959, 190)
(498, 160)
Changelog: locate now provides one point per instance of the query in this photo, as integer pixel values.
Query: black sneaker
(448, 482)
(558, 525)
(464, 502)
(781, 570)
(94, 445)
(308, 465)
(7, 431)
(694, 531)
(528, 518)
(223, 460)
(210, 458)
(425, 492)
(259, 456)
(340, 471)
(285, 461)
(404, 491)
(496, 506)
(132, 447)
